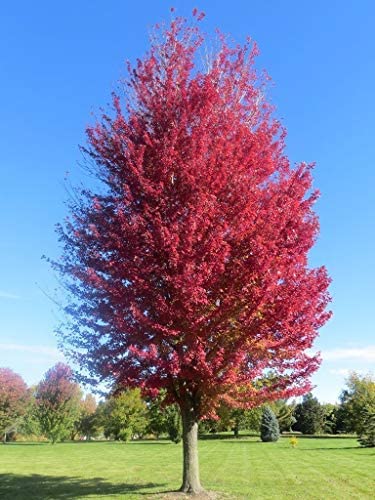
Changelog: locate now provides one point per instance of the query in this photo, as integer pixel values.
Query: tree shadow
(226, 437)
(302, 449)
(26, 443)
(332, 437)
(249, 442)
(37, 486)
(338, 448)
(149, 442)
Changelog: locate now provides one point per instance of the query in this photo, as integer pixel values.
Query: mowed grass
(318, 468)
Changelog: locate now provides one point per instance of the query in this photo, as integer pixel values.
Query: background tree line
(57, 409)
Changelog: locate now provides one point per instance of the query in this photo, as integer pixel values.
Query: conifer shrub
(367, 435)
(269, 427)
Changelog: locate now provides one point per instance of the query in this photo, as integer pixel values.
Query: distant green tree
(367, 434)
(329, 418)
(164, 418)
(284, 413)
(269, 427)
(340, 426)
(309, 416)
(87, 424)
(357, 400)
(210, 426)
(125, 415)
(238, 417)
(173, 423)
(29, 425)
(156, 418)
(246, 419)
(227, 419)
(57, 402)
(232, 418)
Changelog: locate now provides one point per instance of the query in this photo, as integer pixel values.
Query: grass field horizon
(318, 468)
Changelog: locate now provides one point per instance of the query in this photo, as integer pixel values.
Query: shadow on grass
(126, 444)
(336, 448)
(36, 486)
(150, 442)
(25, 443)
(332, 437)
(87, 443)
(249, 437)
(302, 449)
(225, 437)
(243, 441)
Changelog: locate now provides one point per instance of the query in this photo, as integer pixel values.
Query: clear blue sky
(59, 62)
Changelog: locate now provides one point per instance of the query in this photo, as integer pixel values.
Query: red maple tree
(14, 398)
(188, 269)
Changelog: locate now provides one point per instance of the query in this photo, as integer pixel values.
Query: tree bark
(190, 482)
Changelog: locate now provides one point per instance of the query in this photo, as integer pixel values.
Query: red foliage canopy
(188, 271)
(57, 390)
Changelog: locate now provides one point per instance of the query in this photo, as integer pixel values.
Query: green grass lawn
(333, 468)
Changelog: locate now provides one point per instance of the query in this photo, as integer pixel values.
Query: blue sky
(59, 61)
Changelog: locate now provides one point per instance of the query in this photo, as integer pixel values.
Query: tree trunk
(191, 482)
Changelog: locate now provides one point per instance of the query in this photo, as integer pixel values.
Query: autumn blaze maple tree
(187, 270)
(14, 398)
